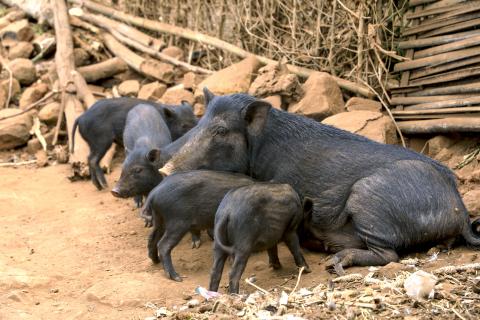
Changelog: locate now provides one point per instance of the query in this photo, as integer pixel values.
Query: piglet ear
(208, 96)
(153, 155)
(186, 103)
(255, 115)
(169, 113)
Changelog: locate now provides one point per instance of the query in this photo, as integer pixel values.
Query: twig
(31, 106)
(389, 113)
(298, 281)
(36, 130)
(17, 164)
(256, 287)
(458, 314)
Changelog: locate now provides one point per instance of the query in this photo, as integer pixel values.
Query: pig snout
(116, 192)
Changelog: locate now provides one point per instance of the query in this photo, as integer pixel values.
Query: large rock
(233, 79)
(174, 52)
(129, 88)
(275, 101)
(14, 131)
(152, 91)
(22, 49)
(177, 94)
(49, 113)
(322, 97)
(191, 80)
(23, 70)
(472, 201)
(358, 104)
(372, 125)
(275, 79)
(32, 94)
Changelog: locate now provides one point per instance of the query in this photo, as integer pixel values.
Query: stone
(472, 201)
(358, 104)
(162, 71)
(60, 153)
(233, 79)
(42, 158)
(275, 101)
(129, 88)
(322, 97)
(81, 57)
(22, 49)
(23, 70)
(191, 80)
(437, 144)
(174, 52)
(32, 94)
(275, 79)
(198, 109)
(372, 125)
(14, 131)
(175, 95)
(19, 30)
(49, 113)
(152, 91)
(15, 86)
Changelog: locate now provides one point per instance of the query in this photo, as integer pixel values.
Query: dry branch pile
(439, 87)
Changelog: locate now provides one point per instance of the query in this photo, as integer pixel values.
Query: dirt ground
(68, 251)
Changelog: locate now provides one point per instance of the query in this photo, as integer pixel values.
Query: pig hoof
(177, 278)
(196, 244)
(334, 265)
(276, 266)
(148, 223)
(306, 269)
(155, 260)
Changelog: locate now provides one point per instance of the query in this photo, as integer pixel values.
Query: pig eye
(221, 131)
(138, 170)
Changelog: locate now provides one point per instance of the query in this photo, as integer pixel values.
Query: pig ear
(255, 114)
(208, 96)
(153, 155)
(185, 103)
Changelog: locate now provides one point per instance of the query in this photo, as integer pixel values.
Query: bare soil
(68, 251)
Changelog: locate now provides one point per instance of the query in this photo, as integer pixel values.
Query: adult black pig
(104, 123)
(185, 202)
(255, 218)
(370, 199)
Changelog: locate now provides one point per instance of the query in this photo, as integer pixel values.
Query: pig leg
(153, 239)
(293, 244)
(273, 260)
(170, 239)
(196, 242)
(138, 201)
(239, 264)
(362, 257)
(219, 258)
(97, 151)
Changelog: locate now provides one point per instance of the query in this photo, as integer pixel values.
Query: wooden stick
(433, 41)
(159, 55)
(205, 39)
(455, 27)
(102, 70)
(416, 100)
(415, 74)
(146, 67)
(441, 24)
(440, 125)
(73, 84)
(438, 116)
(446, 103)
(430, 12)
(448, 76)
(463, 88)
(437, 59)
(414, 3)
(462, 44)
(435, 111)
